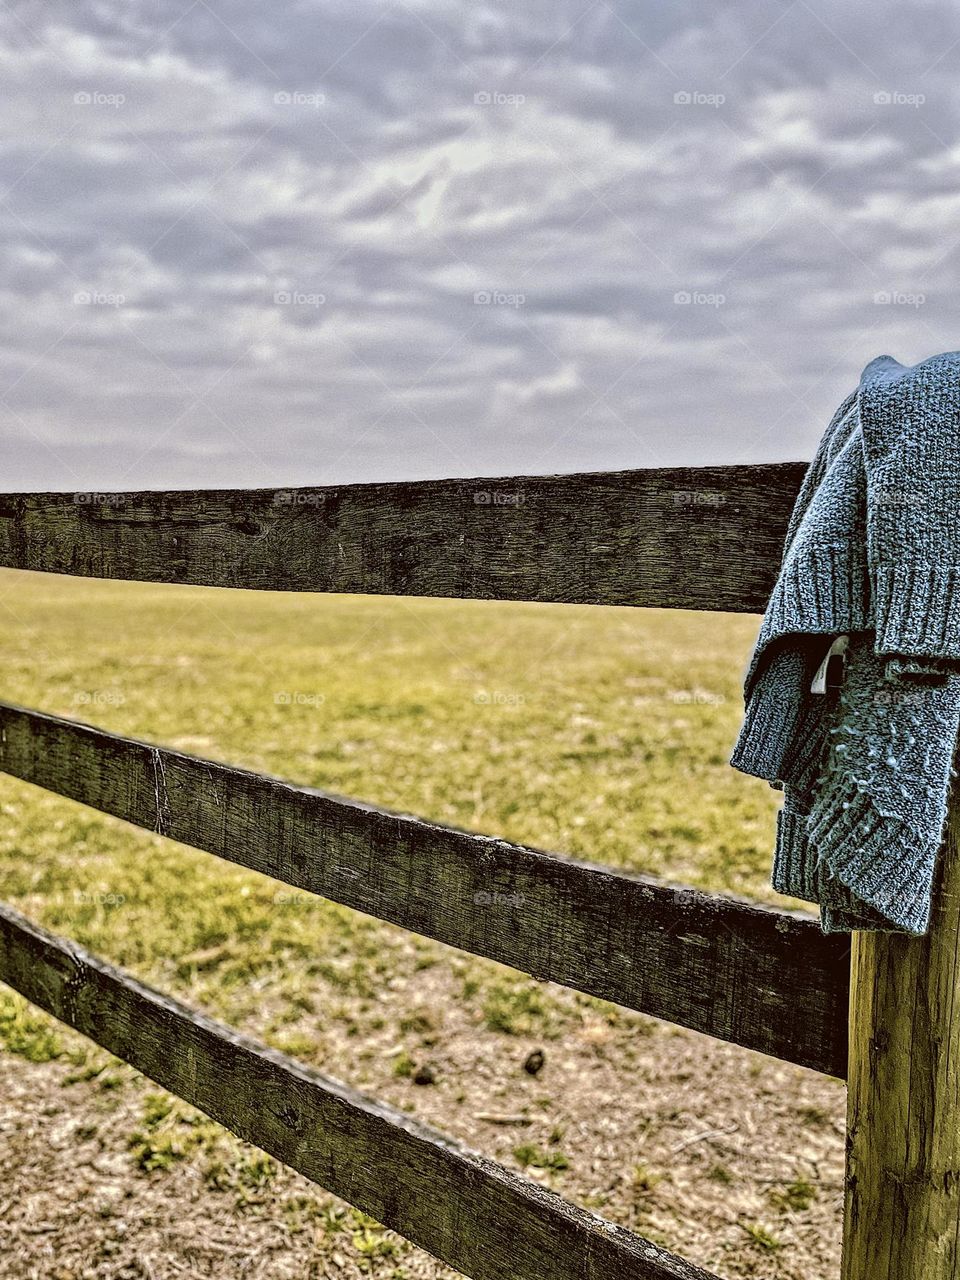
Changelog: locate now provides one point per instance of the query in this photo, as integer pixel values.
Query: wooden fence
(696, 538)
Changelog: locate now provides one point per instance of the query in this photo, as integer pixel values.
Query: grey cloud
(499, 242)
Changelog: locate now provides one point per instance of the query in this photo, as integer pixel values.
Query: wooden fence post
(902, 1210)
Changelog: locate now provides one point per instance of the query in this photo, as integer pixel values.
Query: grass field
(601, 733)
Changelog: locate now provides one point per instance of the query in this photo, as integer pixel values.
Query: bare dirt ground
(597, 733)
(731, 1159)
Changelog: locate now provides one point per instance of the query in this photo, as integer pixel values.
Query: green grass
(517, 1011)
(26, 1032)
(598, 733)
(762, 1236)
(796, 1197)
(532, 1157)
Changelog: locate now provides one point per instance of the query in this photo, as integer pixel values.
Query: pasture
(601, 733)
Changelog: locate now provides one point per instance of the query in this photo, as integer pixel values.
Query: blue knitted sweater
(873, 554)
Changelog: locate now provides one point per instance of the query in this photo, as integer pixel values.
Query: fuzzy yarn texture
(872, 552)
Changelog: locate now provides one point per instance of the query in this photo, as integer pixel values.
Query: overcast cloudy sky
(271, 244)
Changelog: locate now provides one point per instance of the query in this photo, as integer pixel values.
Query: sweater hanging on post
(853, 691)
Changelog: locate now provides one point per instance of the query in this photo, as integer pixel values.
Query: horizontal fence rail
(677, 537)
(765, 979)
(467, 1210)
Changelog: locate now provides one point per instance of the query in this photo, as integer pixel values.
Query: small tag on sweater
(827, 678)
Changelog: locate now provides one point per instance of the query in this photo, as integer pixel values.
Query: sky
(248, 244)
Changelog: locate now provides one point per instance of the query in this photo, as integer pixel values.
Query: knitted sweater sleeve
(910, 423)
(833, 438)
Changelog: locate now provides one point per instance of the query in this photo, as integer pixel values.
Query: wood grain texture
(760, 978)
(686, 537)
(469, 1211)
(902, 1215)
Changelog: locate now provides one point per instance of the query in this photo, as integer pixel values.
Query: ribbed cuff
(768, 722)
(794, 862)
(809, 750)
(862, 919)
(917, 609)
(877, 857)
(841, 912)
(821, 590)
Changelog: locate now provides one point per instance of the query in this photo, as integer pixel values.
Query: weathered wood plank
(902, 1216)
(755, 977)
(685, 537)
(467, 1210)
